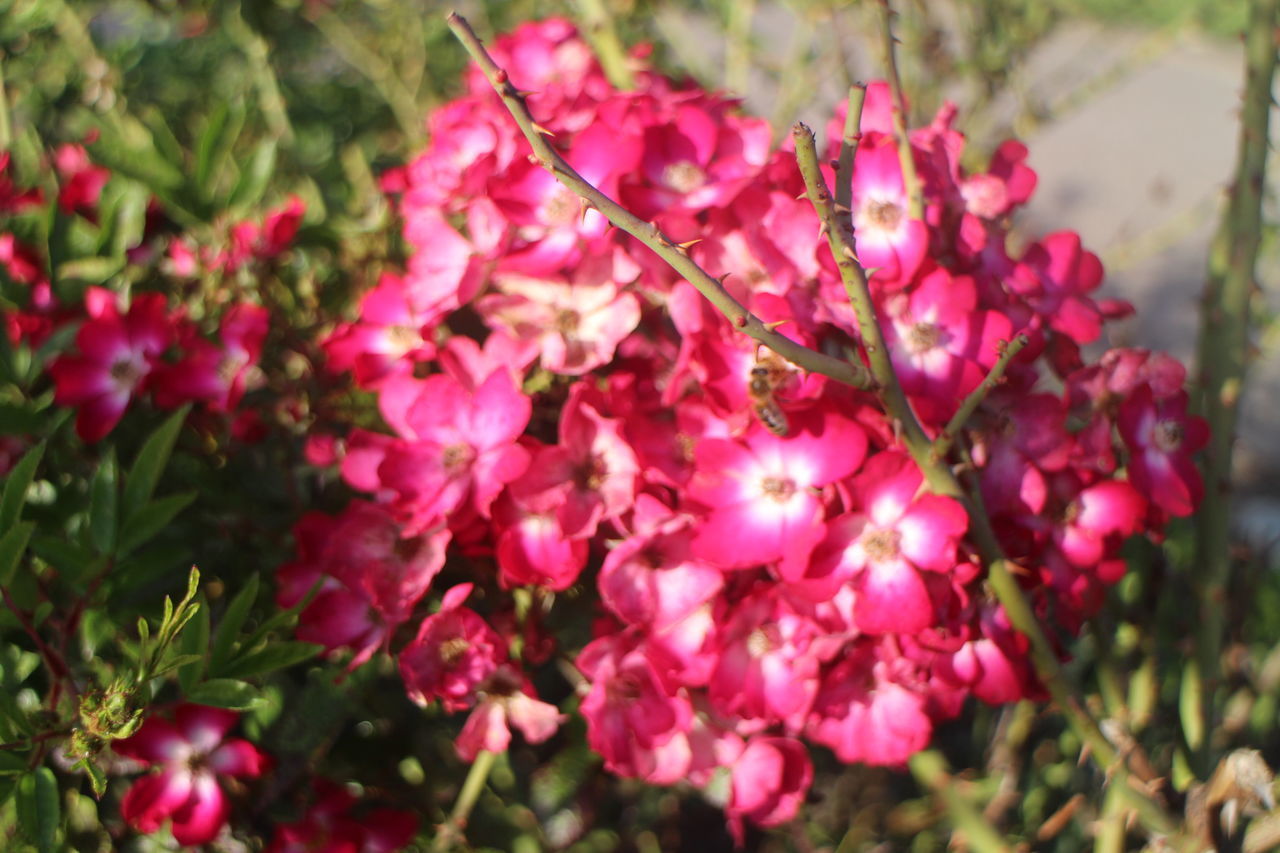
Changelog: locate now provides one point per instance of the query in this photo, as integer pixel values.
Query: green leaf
(275, 656)
(91, 270)
(103, 505)
(97, 778)
(72, 561)
(19, 420)
(9, 710)
(38, 811)
(12, 763)
(194, 642)
(131, 219)
(16, 485)
(225, 693)
(176, 662)
(1190, 707)
(256, 177)
(229, 627)
(144, 524)
(12, 545)
(144, 474)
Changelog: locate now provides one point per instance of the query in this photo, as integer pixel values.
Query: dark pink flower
(211, 373)
(768, 782)
(761, 491)
(332, 826)
(191, 751)
(116, 355)
(1161, 437)
(453, 655)
(82, 182)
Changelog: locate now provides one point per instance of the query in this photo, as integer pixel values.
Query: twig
(1226, 324)
(378, 71)
(648, 233)
(1008, 351)
(452, 830)
(930, 770)
(601, 31)
(848, 147)
(898, 111)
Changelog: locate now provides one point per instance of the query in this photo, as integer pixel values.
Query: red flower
(116, 356)
(191, 751)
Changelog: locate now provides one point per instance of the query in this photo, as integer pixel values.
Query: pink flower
(1162, 437)
(577, 325)
(760, 491)
(329, 826)
(216, 374)
(883, 548)
(453, 656)
(388, 338)
(116, 355)
(82, 182)
(191, 751)
(886, 238)
(461, 447)
(507, 702)
(768, 782)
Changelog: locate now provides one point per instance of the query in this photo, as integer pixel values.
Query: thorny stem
(675, 255)
(848, 146)
(930, 770)
(452, 829)
(378, 71)
(255, 49)
(1000, 572)
(1009, 351)
(737, 48)
(1224, 343)
(910, 180)
(599, 28)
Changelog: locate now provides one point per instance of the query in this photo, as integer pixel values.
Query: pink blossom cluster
(192, 760)
(124, 351)
(769, 569)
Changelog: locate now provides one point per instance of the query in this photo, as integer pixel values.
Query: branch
(648, 233)
(910, 180)
(1226, 324)
(1008, 351)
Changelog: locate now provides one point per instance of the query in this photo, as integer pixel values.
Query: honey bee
(768, 375)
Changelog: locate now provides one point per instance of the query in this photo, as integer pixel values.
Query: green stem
(646, 232)
(1111, 827)
(930, 770)
(255, 49)
(1226, 324)
(941, 480)
(910, 180)
(1008, 351)
(453, 829)
(6, 132)
(379, 72)
(737, 48)
(602, 32)
(848, 147)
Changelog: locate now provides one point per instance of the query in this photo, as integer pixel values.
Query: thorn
(775, 324)
(842, 208)
(847, 251)
(722, 278)
(684, 247)
(524, 93)
(543, 130)
(583, 207)
(823, 230)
